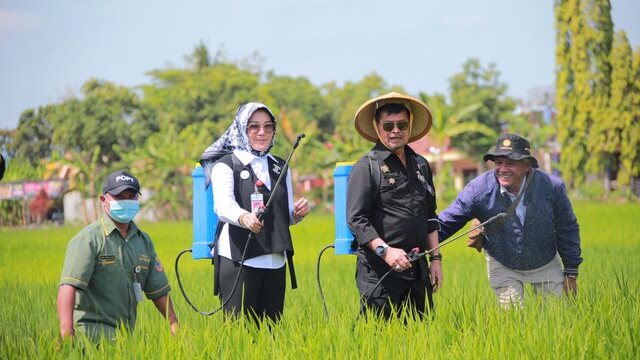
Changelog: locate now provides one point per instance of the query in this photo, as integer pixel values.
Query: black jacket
(401, 209)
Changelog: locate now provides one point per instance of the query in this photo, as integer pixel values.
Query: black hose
(324, 303)
(235, 282)
(375, 287)
(246, 246)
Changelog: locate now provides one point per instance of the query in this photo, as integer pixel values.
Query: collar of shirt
(521, 209)
(260, 165)
(247, 157)
(108, 226)
(385, 152)
(504, 190)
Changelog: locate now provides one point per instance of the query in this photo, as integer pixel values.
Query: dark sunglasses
(268, 127)
(402, 126)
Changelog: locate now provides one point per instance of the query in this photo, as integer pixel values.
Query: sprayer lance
(282, 174)
(415, 256)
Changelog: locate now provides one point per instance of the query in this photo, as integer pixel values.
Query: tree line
(597, 96)
(159, 129)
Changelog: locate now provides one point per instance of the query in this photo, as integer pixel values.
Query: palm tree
(164, 165)
(449, 122)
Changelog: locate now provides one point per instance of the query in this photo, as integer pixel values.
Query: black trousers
(259, 293)
(393, 294)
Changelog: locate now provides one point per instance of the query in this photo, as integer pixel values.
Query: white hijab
(235, 137)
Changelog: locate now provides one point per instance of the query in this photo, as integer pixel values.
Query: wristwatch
(382, 249)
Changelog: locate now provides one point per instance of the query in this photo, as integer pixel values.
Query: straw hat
(420, 117)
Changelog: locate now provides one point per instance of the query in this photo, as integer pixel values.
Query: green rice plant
(601, 322)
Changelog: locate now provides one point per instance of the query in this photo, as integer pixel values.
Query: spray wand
(412, 256)
(246, 246)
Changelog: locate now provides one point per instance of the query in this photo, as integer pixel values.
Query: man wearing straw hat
(391, 207)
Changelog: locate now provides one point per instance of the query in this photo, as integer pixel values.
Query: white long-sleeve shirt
(228, 210)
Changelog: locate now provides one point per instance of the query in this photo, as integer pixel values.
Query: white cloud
(15, 21)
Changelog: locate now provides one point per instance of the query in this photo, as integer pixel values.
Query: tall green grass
(602, 322)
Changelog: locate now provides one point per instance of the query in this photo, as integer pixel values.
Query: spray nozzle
(414, 254)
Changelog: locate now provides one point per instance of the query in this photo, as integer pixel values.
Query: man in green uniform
(107, 267)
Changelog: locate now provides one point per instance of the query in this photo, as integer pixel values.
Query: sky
(49, 48)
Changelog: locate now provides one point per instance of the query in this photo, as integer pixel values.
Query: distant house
(38, 201)
(464, 167)
(538, 113)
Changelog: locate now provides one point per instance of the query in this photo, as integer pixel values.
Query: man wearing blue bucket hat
(537, 242)
(391, 207)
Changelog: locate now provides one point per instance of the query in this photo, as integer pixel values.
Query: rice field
(602, 322)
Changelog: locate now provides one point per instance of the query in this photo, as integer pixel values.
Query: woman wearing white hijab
(246, 168)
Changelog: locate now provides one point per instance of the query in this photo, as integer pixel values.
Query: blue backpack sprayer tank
(205, 219)
(344, 243)
(205, 225)
(205, 222)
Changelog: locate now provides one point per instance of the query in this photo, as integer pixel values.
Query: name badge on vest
(244, 174)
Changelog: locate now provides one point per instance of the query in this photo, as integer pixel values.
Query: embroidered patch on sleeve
(158, 265)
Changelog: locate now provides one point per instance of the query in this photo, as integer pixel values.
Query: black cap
(119, 181)
(514, 147)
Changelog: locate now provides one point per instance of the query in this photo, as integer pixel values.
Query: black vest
(275, 236)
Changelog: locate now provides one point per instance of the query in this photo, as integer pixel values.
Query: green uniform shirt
(101, 265)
